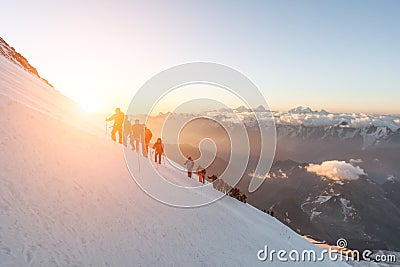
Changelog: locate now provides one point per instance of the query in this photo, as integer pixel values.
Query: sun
(90, 103)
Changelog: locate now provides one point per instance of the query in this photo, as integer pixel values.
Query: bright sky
(337, 55)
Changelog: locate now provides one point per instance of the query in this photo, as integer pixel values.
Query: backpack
(148, 135)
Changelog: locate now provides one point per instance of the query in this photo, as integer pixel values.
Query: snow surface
(67, 198)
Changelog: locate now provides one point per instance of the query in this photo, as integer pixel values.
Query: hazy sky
(336, 55)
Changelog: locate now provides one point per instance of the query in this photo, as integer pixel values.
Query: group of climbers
(236, 193)
(138, 134)
(201, 172)
(225, 188)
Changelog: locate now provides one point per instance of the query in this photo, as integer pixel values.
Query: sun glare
(90, 103)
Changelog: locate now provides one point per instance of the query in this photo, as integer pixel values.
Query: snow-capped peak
(307, 110)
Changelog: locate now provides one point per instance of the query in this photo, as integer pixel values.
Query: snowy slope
(30, 91)
(67, 198)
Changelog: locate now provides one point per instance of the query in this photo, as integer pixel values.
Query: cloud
(269, 175)
(356, 161)
(259, 176)
(336, 170)
(392, 178)
(307, 117)
(355, 120)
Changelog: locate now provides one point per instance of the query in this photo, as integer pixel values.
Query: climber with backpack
(200, 174)
(137, 130)
(127, 130)
(147, 137)
(189, 165)
(159, 150)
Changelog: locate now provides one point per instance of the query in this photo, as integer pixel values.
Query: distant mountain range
(362, 211)
(365, 211)
(365, 130)
(307, 110)
(11, 54)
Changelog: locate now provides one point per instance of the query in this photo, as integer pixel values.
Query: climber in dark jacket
(127, 130)
(159, 149)
(137, 135)
(118, 119)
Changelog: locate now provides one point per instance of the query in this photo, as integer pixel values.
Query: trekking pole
(138, 158)
(106, 128)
